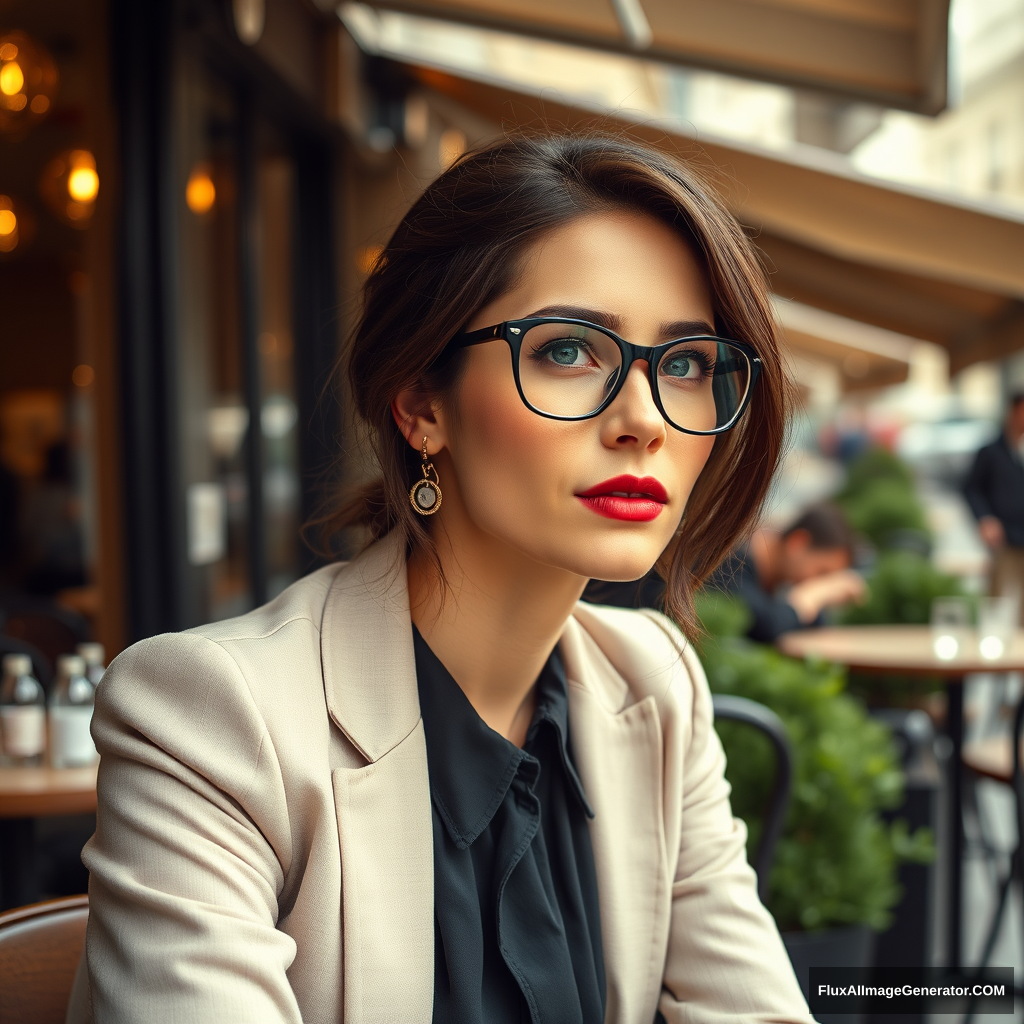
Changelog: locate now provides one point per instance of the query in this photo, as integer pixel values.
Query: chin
(624, 567)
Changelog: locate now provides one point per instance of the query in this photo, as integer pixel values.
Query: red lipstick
(635, 499)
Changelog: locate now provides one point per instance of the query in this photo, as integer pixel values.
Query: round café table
(27, 794)
(908, 650)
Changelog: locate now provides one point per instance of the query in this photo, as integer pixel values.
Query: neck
(495, 623)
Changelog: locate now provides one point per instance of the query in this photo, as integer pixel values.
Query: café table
(910, 651)
(27, 794)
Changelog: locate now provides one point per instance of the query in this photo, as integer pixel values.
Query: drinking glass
(997, 622)
(951, 621)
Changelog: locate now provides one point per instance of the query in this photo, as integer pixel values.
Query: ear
(416, 414)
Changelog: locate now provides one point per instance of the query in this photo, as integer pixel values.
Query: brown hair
(826, 525)
(460, 247)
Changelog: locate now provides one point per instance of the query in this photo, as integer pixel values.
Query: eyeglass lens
(569, 370)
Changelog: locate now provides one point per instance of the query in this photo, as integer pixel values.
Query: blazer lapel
(618, 749)
(383, 808)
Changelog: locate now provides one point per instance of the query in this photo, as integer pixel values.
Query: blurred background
(191, 192)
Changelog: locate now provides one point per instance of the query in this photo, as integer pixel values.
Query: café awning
(864, 357)
(912, 262)
(888, 52)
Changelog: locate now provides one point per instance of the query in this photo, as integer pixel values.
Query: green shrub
(836, 861)
(883, 511)
(880, 499)
(875, 466)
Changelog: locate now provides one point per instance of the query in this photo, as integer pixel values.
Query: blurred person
(995, 492)
(788, 579)
(429, 785)
(52, 527)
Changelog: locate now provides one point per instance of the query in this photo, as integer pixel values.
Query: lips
(630, 498)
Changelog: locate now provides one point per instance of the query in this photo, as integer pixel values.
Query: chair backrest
(1018, 769)
(40, 946)
(749, 712)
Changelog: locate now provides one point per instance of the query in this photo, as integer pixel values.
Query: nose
(633, 420)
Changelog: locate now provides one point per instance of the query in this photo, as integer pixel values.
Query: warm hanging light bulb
(17, 226)
(28, 82)
(12, 78)
(70, 185)
(8, 225)
(200, 191)
(83, 181)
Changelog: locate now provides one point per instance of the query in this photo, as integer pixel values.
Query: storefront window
(275, 183)
(56, 386)
(236, 351)
(213, 413)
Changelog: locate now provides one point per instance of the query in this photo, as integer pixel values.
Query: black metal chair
(749, 712)
(999, 759)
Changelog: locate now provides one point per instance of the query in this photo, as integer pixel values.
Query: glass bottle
(94, 656)
(71, 704)
(22, 713)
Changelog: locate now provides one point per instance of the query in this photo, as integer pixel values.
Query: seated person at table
(788, 579)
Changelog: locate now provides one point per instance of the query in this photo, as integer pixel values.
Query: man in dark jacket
(788, 580)
(995, 492)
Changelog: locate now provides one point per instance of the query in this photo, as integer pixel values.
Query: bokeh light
(991, 647)
(70, 185)
(8, 225)
(946, 647)
(200, 192)
(28, 82)
(12, 78)
(83, 184)
(83, 375)
(451, 146)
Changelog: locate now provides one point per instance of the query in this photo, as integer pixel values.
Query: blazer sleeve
(184, 873)
(726, 960)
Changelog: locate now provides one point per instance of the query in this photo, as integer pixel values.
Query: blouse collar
(471, 766)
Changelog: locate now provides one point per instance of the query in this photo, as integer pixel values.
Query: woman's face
(546, 488)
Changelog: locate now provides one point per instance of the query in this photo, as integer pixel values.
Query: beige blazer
(263, 849)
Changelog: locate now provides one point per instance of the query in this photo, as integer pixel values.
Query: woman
(428, 785)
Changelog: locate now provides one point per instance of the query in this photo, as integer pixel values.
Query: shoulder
(291, 621)
(997, 449)
(225, 673)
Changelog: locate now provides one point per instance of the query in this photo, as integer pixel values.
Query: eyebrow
(612, 322)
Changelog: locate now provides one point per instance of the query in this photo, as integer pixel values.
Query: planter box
(852, 946)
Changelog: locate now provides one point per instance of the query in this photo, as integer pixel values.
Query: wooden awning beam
(887, 52)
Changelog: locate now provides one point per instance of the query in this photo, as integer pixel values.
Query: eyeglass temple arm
(477, 337)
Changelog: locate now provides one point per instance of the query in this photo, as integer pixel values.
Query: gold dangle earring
(425, 496)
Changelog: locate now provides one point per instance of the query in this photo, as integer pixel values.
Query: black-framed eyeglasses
(569, 369)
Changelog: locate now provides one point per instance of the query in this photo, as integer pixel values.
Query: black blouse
(517, 935)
